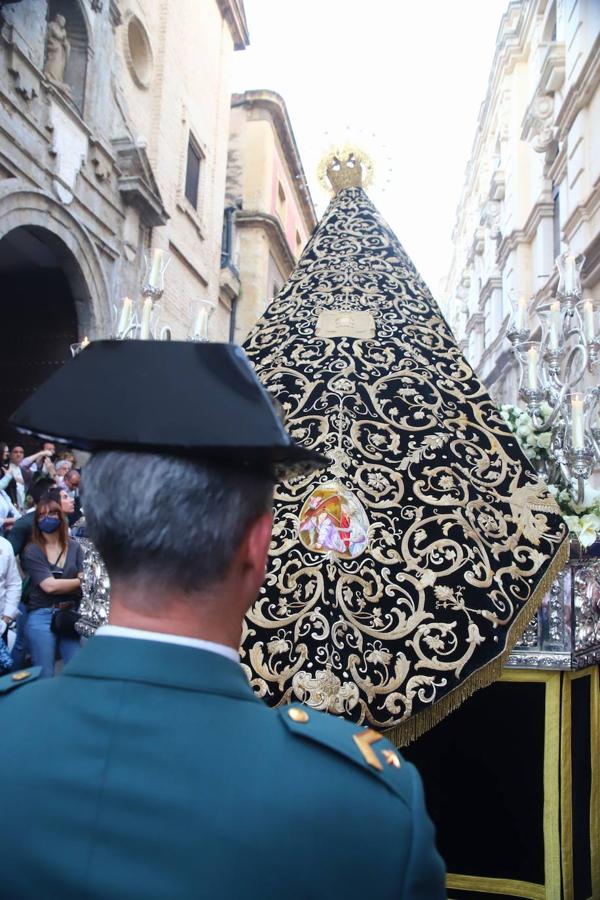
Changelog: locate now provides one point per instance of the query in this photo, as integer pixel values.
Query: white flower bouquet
(583, 519)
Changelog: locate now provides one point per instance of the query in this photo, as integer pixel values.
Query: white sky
(403, 78)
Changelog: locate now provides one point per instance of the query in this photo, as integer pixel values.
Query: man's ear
(257, 541)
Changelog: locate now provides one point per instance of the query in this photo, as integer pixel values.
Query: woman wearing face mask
(53, 561)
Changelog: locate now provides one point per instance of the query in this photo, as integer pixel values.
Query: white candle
(570, 273)
(532, 358)
(522, 318)
(588, 319)
(85, 342)
(125, 318)
(554, 325)
(577, 421)
(157, 259)
(146, 313)
(201, 325)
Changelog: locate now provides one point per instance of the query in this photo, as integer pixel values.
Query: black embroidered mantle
(461, 537)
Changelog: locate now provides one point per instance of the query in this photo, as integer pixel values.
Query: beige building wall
(274, 212)
(532, 184)
(191, 45)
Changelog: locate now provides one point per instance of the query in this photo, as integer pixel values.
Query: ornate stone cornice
(583, 212)
(558, 168)
(492, 284)
(552, 74)
(543, 209)
(502, 358)
(271, 224)
(275, 106)
(490, 216)
(580, 93)
(137, 184)
(538, 122)
(234, 14)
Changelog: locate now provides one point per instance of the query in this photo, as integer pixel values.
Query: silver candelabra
(552, 367)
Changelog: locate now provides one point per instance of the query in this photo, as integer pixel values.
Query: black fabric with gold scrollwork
(399, 578)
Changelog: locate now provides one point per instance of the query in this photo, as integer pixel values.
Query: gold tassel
(412, 728)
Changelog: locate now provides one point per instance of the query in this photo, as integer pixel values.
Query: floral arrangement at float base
(583, 519)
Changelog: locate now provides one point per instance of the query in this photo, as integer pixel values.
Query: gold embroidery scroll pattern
(457, 528)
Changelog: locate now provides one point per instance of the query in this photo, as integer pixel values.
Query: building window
(281, 202)
(556, 222)
(192, 172)
(138, 53)
(228, 239)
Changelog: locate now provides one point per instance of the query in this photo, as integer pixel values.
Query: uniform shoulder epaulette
(365, 747)
(16, 679)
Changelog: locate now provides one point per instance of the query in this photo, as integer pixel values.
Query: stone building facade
(269, 210)
(532, 184)
(113, 141)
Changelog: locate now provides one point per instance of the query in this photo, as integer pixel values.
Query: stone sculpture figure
(58, 49)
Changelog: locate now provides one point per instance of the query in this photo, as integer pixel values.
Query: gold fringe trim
(410, 729)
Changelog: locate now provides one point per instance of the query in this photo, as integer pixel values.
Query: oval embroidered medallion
(333, 520)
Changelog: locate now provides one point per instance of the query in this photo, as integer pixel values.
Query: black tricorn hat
(199, 400)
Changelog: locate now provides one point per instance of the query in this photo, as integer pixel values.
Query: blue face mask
(48, 525)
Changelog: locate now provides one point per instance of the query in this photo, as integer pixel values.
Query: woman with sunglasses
(54, 562)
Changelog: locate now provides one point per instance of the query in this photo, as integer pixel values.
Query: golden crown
(345, 167)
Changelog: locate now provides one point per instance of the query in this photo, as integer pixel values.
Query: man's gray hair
(169, 520)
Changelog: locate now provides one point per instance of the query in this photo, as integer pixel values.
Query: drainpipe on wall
(234, 302)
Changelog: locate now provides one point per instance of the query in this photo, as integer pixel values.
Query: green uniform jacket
(150, 771)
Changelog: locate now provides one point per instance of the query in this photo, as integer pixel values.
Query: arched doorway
(41, 284)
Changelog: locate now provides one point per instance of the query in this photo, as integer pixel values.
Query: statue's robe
(399, 579)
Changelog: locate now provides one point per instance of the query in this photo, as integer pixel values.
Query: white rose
(573, 524)
(544, 440)
(590, 526)
(523, 430)
(531, 439)
(545, 409)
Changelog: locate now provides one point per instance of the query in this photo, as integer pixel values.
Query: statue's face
(61, 20)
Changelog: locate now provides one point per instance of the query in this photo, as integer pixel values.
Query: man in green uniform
(149, 768)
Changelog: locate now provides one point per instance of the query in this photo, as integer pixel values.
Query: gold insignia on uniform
(20, 676)
(391, 758)
(363, 741)
(298, 715)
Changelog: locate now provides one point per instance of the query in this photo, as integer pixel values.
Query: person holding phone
(54, 562)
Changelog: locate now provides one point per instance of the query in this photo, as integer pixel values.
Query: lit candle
(532, 358)
(570, 273)
(85, 342)
(201, 325)
(146, 313)
(588, 319)
(554, 325)
(522, 318)
(577, 421)
(157, 259)
(125, 318)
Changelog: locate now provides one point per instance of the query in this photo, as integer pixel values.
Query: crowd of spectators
(41, 559)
